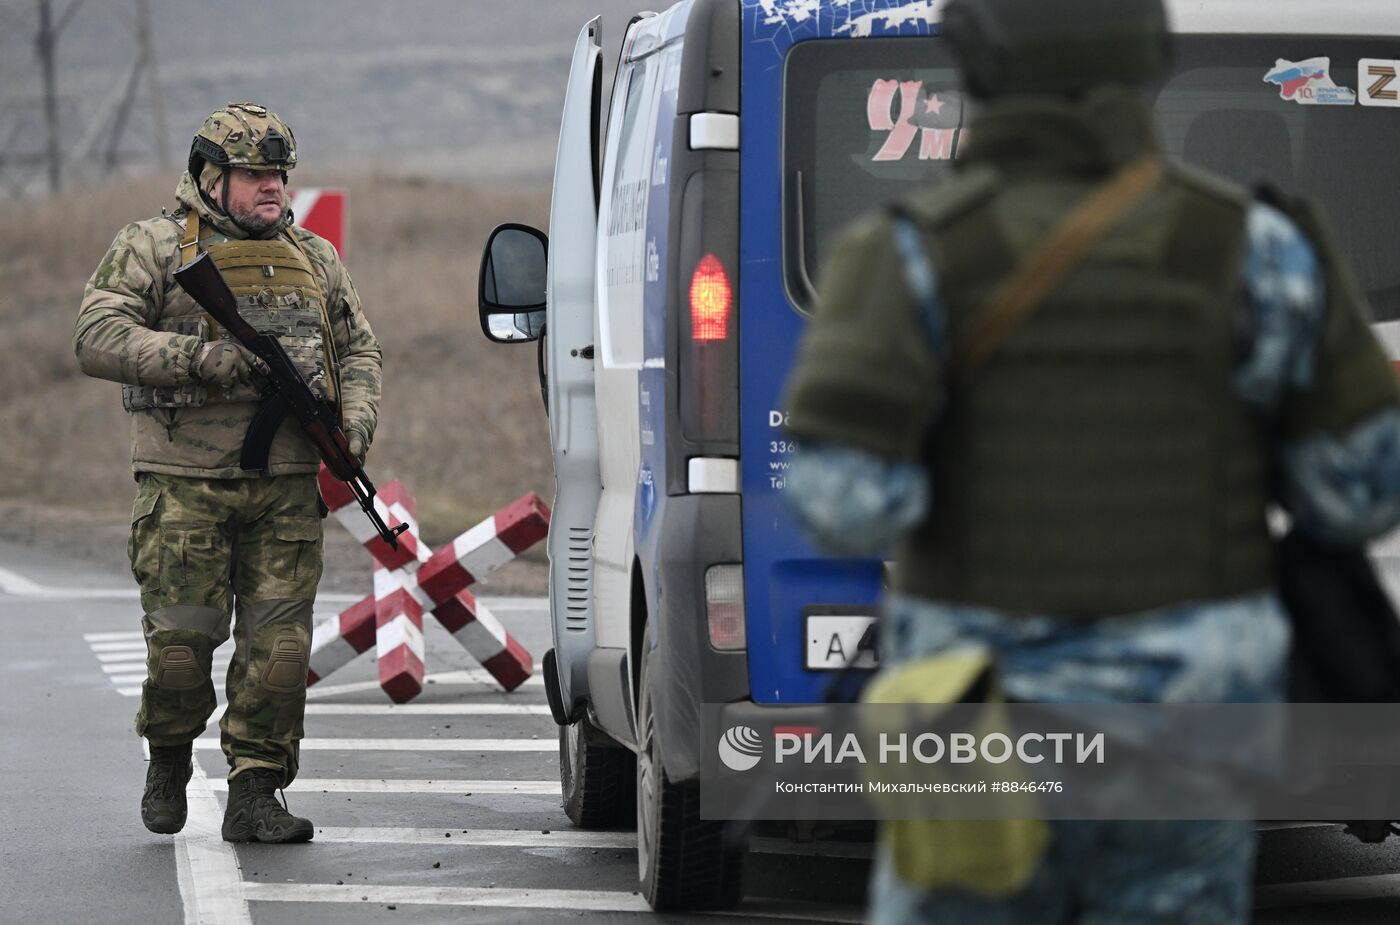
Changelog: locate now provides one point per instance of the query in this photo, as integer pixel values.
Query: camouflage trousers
(199, 549)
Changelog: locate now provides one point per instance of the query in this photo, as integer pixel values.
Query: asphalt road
(443, 810)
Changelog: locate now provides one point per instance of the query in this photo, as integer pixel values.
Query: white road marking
(492, 897)
(445, 678)
(211, 881)
(117, 647)
(413, 745)
(563, 838)
(399, 785)
(428, 709)
(1342, 889)
(116, 669)
(417, 709)
(129, 691)
(16, 584)
(114, 637)
(124, 679)
(114, 660)
(528, 604)
(579, 900)
(479, 838)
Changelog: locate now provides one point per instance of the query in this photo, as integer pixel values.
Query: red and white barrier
(413, 579)
(398, 638)
(336, 642)
(398, 618)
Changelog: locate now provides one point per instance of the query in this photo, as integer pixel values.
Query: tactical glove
(225, 364)
(358, 444)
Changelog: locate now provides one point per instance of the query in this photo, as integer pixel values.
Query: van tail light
(724, 607)
(711, 300)
(707, 310)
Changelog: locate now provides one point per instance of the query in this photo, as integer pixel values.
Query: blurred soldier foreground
(206, 533)
(1089, 503)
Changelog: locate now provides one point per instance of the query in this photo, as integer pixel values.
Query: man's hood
(187, 193)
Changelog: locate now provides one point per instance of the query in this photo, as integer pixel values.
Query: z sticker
(1380, 82)
(1309, 83)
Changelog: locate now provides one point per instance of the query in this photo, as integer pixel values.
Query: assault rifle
(284, 391)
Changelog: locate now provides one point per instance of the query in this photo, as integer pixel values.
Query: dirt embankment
(461, 421)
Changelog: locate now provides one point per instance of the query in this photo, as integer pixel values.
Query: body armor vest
(1100, 462)
(278, 293)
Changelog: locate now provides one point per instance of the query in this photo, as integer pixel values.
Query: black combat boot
(254, 813)
(163, 806)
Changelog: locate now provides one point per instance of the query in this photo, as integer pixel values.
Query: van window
(626, 186)
(1218, 111)
(864, 122)
(868, 121)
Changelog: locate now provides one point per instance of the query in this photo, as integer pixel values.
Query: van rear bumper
(696, 531)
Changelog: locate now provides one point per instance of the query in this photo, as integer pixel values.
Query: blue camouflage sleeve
(1343, 487)
(853, 501)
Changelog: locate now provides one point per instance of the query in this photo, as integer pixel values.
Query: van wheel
(682, 860)
(598, 778)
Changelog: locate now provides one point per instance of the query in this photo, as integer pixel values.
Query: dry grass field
(461, 422)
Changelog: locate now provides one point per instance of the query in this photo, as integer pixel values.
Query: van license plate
(832, 640)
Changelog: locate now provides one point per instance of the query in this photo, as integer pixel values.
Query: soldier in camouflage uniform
(207, 535)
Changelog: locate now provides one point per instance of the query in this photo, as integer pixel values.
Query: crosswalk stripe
(563, 838)
(129, 691)
(112, 637)
(413, 745)
(1314, 892)
(583, 900)
(496, 897)
(418, 709)
(130, 665)
(479, 838)
(117, 647)
(399, 785)
(445, 678)
(428, 709)
(120, 661)
(123, 679)
(211, 884)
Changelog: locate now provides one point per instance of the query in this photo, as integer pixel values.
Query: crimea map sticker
(1309, 83)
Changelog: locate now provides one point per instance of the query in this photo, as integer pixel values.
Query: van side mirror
(511, 285)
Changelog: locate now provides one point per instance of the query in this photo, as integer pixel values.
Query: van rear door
(573, 420)
(841, 127)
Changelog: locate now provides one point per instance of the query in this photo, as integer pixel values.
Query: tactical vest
(1100, 462)
(278, 292)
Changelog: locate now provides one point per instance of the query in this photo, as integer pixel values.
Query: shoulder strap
(943, 205)
(1015, 300)
(191, 237)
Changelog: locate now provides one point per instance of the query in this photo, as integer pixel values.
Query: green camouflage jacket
(116, 338)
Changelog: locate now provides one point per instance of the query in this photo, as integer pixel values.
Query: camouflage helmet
(1056, 46)
(243, 135)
